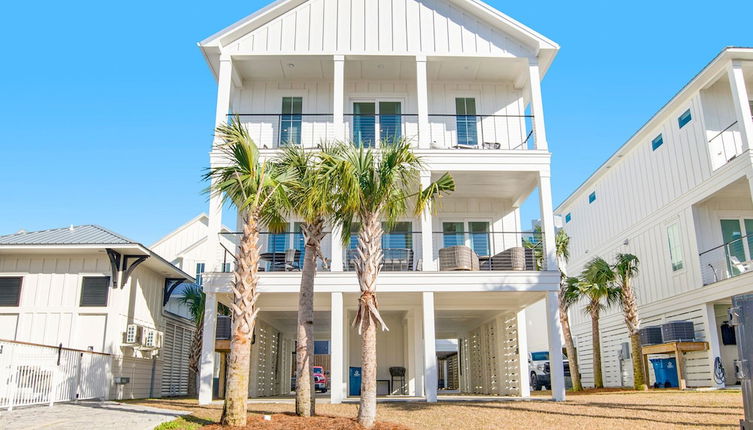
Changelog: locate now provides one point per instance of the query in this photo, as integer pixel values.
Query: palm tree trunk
(193, 359)
(305, 403)
(367, 268)
(572, 358)
(244, 311)
(630, 309)
(596, 343)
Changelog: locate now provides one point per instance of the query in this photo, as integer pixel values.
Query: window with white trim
(675, 246)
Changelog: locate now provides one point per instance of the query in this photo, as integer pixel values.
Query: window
(592, 197)
(199, 273)
(465, 110)
(568, 218)
(452, 234)
(480, 237)
(10, 290)
(389, 121)
(399, 236)
(657, 142)
(675, 246)
(290, 121)
(321, 347)
(227, 267)
(684, 118)
(364, 124)
(477, 238)
(94, 290)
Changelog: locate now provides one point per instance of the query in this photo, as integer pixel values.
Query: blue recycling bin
(354, 381)
(665, 371)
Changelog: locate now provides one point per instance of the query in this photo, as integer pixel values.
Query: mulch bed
(293, 422)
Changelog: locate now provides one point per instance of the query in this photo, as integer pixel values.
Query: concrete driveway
(86, 415)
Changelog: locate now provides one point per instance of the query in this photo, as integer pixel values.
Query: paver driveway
(88, 415)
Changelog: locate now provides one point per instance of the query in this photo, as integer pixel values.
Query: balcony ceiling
(499, 185)
(379, 68)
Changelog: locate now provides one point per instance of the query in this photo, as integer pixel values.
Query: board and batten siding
(379, 26)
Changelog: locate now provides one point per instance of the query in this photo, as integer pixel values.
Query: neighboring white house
(87, 288)
(461, 81)
(678, 196)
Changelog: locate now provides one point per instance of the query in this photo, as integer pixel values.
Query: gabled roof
(73, 235)
(542, 46)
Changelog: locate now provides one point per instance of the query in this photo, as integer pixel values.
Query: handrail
(533, 233)
(722, 132)
(726, 243)
(379, 114)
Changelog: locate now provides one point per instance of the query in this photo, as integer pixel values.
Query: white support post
(537, 105)
(206, 370)
(430, 352)
(337, 351)
(740, 101)
(547, 221)
(427, 246)
(712, 337)
(556, 367)
(338, 97)
(525, 383)
(336, 259)
(224, 88)
(422, 95)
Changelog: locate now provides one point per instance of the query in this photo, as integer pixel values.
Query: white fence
(33, 374)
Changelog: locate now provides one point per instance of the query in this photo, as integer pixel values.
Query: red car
(320, 380)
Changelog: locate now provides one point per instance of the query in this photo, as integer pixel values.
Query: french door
(737, 246)
(374, 120)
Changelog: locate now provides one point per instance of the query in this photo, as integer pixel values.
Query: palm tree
(597, 285)
(534, 243)
(310, 197)
(375, 186)
(256, 189)
(626, 269)
(567, 298)
(194, 299)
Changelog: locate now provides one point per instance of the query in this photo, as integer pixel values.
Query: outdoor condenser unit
(678, 331)
(650, 335)
(741, 317)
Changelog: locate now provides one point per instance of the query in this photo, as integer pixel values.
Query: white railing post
(537, 105)
(427, 247)
(338, 97)
(740, 102)
(206, 371)
(422, 95)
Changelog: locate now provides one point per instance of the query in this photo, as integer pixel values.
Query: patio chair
(291, 262)
(514, 258)
(397, 259)
(740, 266)
(458, 257)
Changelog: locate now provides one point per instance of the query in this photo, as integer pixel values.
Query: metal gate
(33, 374)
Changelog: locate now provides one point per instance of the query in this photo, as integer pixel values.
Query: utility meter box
(121, 380)
(741, 317)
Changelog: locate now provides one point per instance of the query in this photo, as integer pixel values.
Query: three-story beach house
(461, 81)
(678, 196)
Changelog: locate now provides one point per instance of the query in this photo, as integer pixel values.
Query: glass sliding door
(291, 121)
(389, 121)
(480, 237)
(452, 234)
(734, 248)
(364, 124)
(465, 110)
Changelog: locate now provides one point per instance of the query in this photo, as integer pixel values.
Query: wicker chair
(515, 258)
(458, 257)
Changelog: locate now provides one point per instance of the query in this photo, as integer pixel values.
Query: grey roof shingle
(74, 235)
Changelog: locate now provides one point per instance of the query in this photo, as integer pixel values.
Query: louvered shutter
(94, 290)
(10, 291)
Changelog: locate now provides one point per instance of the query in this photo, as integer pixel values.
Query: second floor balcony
(445, 131)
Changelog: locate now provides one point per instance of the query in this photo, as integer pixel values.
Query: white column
(430, 352)
(338, 97)
(525, 376)
(537, 106)
(206, 371)
(337, 350)
(740, 101)
(712, 337)
(414, 365)
(422, 95)
(547, 221)
(427, 246)
(336, 259)
(224, 87)
(554, 328)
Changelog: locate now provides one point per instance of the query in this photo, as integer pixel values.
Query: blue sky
(106, 108)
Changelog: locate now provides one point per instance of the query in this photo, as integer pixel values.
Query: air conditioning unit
(152, 338)
(678, 331)
(651, 335)
(134, 334)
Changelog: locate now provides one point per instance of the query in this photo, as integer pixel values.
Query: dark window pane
(465, 109)
(291, 120)
(364, 124)
(94, 290)
(10, 291)
(389, 121)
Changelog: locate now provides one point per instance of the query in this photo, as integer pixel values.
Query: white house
(89, 289)
(677, 194)
(461, 80)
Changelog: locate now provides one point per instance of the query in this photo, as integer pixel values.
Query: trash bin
(354, 381)
(665, 372)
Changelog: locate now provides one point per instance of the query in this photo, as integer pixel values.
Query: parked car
(538, 365)
(320, 380)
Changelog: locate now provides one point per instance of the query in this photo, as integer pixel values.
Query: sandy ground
(595, 410)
